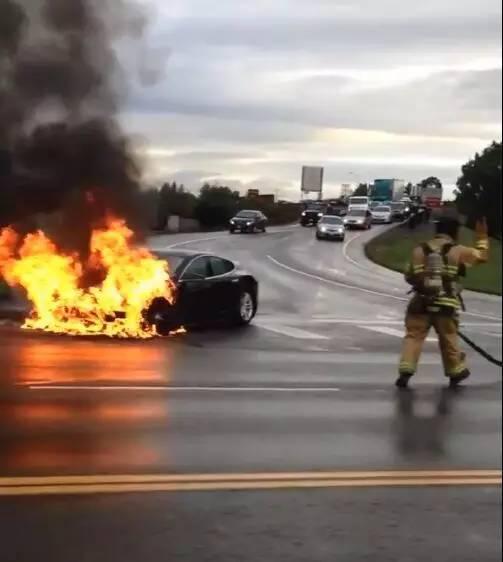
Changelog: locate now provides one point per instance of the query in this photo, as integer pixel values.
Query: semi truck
(431, 197)
(387, 190)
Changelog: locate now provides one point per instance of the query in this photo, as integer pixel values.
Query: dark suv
(312, 214)
(248, 221)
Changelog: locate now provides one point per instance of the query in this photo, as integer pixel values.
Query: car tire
(231, 231)
(246, 308)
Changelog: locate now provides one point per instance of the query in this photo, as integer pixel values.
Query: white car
(330, 227)
(382, 214)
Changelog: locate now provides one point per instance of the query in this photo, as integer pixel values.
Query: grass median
(393, 248)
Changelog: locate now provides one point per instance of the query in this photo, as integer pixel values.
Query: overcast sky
(246, 92)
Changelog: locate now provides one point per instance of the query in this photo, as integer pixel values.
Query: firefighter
(434, 273)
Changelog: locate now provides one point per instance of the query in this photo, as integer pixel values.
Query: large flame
(130, 279)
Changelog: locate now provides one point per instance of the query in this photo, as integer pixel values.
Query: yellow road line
(94, 484)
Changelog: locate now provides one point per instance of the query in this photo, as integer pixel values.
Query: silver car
(381, 214)
(330, 227)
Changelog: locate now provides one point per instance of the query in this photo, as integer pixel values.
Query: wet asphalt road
(307, 388)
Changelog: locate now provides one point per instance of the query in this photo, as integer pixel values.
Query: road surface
(282, 441)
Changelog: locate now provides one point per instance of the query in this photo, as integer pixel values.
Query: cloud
(254, 90)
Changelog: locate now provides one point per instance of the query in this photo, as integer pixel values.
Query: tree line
(214, 206)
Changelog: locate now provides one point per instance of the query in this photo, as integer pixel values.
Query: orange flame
(132, 278)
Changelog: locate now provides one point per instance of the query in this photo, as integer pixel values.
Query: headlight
(303, 213)
(323, 229)
(249, 223)
(232, 221)
(320, 214)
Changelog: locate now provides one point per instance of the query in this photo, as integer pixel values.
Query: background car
(312, 213)
(330, 227)
(357, 218)
(400, 211)
(210, 290)
(248, 221)
(381, 214)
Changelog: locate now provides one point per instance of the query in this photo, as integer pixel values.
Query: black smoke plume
(61, 148)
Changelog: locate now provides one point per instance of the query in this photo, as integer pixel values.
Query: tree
(361, 191)
(432, 181)
(216, 205)
(479, 188)
(174, 200)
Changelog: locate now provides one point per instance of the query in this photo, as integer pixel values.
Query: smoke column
(61, 147)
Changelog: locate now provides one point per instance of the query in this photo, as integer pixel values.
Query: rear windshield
(382, 209)
(357, 213)
(397, 206)
(174, 261)
(358, 201)
(331, 220)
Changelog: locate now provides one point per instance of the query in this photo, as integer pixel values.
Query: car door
(195, 291)
(225, 286)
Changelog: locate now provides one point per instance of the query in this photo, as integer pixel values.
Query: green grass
(393, 248)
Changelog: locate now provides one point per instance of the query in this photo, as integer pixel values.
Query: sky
(244, 93)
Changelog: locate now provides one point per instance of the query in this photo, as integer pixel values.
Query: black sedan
(210, 290)
(248, 221)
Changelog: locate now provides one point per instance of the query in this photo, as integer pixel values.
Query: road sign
(312, 179)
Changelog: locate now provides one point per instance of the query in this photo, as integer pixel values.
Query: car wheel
(231, 231)
(246, 308)
(318, 237)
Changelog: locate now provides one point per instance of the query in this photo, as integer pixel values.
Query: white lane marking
(219, 237)
(357, 321)
(187, 388)
(290, 331)
(346, 255)
(361, 289)
(332, 282)
(484, 332)
(194, 241)
(391, 332)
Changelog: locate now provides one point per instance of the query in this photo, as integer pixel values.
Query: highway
(285, 440)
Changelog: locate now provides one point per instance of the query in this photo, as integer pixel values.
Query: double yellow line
(110, 484)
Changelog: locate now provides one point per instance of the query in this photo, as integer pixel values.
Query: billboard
(312, 179)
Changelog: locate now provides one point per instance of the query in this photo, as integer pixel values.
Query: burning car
(208, 290)
(133, 292)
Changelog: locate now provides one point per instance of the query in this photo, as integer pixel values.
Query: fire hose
(481, 351)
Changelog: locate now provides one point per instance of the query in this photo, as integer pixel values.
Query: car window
(247, 214)
(198, 269)
(331, 220)
(220, 266)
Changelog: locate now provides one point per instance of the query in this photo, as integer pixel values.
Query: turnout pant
(417, 327)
